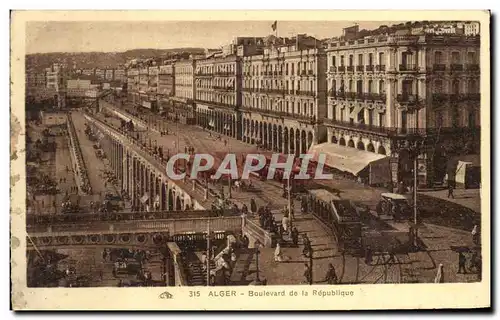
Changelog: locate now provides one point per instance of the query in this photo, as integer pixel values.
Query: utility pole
(208, 252)
(415, 210)
(290, 213)
(229, 181)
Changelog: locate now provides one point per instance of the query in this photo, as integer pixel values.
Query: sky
(62, 36)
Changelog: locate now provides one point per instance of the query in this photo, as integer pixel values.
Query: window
(381, 60)
(370, 86)
(360, 59)
(334, 63)
(455, 87)
(334, 112)
(381, 86)
(455, 117)
(359, 86)
(438, 57)
(341, 61)
(370, 117)
(455, 57)
(351, 86)
(438, 86)
(293, 71)
(472, 86)
(439, 119)
(351, 60)
(334, 85)
(311, 108)
(370, 59)
(471, 57)
(381, 120)
(341, 115)
(404, 121)
(472, 119)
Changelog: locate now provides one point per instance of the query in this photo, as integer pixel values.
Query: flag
(274, 25)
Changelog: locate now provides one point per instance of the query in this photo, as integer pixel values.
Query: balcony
(333, 69)
(369, 68)
(473, 97)
(350, 95)
(380, 68)
(332, 94)
(361, 127)
(305, 93)
(456, 67)
(439, 67)
(282, 114)
(350, 68)
(360, 68)
(407, 99)
(310, 72)
(472, 67)
(439, 97)
(374, 96)
(408, 67)
(341, 69)
(303, 73)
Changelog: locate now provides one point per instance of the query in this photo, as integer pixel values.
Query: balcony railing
(305, 93)
(439, 67)
(285, 114)
(333, 69)
(350, 68)
(369, 68)
(380, 67)
(360, 127)
(439, 97)
(407, 98)
(472, 67)
(374, 96)
(408, 67)
(350, 95)
(360, 68)
(341, 69)
(457, 67)
(310, 72)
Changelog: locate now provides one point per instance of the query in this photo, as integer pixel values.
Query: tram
(340, 216)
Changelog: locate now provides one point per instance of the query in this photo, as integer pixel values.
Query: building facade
(284, 95)
(390, 94)
(218, 94)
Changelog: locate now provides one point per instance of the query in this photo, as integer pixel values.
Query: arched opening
(163, 201)
(304, 142)
(350, 144)
(297, 142)
(274, 141)
(170, 200)
(361, 145)
(370, 147)
(381, 150)
(309, 140)
(178, 205)
(269, 136)
(279, 146)
(342, 141)
(334, 139)
(285, 140)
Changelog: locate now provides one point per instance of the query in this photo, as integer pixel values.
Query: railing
(369, 68)
(350, 95)
(439, 67)
(408, 67)
(360, 126)
(472, 67)
(456, 67)
(341, 69)
(360, 68)
(380, 67)
(333, 69)
(255, 231)
(407, 98)
(289, 115)
(374, 96)
(81, 168)
(350, 68)
(305, 93)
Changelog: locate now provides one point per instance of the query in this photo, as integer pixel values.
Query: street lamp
(414, 150)
(257, 281)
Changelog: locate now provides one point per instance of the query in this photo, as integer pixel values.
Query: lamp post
(415, 150)
(257, 281)
(290, 213)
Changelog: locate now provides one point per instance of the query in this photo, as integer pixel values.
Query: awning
(145, 198)
(345, 158)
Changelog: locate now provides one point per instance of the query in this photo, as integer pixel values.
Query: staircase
(194, 269)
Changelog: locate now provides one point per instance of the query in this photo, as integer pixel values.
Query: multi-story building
(35, 79)
(284, 95)
(218, 94)
(99, 73)
(184, 88)
(56, 77)
(471, 28)
(119, 75)
(133, 85)
(88, 72)
(153, 80)
(109, 74)
(166, 84)
(405, 95)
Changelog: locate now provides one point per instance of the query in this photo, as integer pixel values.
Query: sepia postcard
(250, 160)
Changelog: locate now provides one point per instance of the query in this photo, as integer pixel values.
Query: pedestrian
(475, 235)
(440, 274)
(461, 263)
(277, 253)
(307, 273)
(368, 255)
(253, 206)
(285, 222)
(307, 246)
(295, 236)
(331, 275)
(450, 190)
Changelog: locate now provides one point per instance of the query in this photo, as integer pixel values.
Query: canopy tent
(354, 161)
